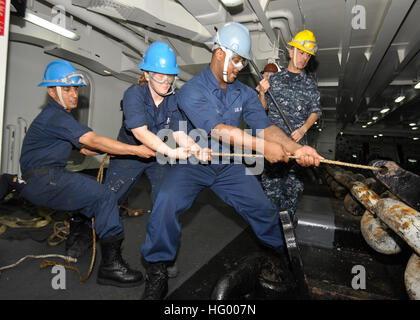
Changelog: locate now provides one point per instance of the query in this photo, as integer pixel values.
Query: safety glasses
(308, 45)
(237, 61)
(72, 79)
(162, 78)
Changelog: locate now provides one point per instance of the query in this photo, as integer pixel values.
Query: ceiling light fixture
(417, 86)
(375, 118)
(416, 138)
(399, 99)
(385, 110)
(412, 124)
(232, 3)
(369, 123)
(50, 26)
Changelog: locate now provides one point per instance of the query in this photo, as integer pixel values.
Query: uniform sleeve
(315, 103)
(253, 111)
(67, 128)
(180, 122)
(134, 108)
(194, 101)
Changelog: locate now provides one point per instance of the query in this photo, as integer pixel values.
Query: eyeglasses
(162, 78)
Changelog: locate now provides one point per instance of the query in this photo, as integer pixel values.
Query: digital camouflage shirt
(297, 95)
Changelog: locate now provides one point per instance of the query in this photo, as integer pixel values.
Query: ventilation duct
(109, 27)
(165, 15)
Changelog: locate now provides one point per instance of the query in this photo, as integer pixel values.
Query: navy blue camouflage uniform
(298, 97)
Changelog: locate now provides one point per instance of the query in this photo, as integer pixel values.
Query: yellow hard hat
(305, 41)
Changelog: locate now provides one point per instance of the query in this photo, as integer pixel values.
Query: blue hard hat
(61, 73)
(160, 58)
(234, 36)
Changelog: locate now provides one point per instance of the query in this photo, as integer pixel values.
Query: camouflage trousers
(283, 186)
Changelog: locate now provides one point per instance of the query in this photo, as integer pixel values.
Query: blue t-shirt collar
(148, 99)
(56, 105)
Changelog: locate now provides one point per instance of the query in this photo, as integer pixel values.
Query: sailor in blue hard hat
(233, 38)
(63, 80)
(160, 68)
(148, 107)
(46, 148)
(214, 102)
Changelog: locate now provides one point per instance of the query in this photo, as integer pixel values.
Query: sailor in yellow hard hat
(304, 46)
(298, 95)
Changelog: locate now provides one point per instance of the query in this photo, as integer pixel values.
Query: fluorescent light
(417, 86)
(412, 124)
(380, 135)
(232, 3)
(369, 123)
(107, 72)
(375, 137)
(50, 26)
(416, 138)
(414, 128)
(399, 99)
(375, 118)
(412, 160)
(364, 126)
(385, 110)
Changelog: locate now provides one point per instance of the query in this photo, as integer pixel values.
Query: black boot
(80, 239)
(156, 286)
(113, 270)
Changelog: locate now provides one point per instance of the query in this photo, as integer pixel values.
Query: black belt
(35, 172)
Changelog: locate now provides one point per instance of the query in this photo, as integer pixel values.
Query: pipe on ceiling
(112, 28)
(271, 15)
(275, 24)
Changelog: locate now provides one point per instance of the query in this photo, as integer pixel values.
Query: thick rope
(66, 258)
(15, 222)
(339, 163)
(61, 232)
(46, 263)
(346, 164)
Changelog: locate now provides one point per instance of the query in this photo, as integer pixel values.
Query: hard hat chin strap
(172, 91)
(60, 97)
(294, 57)
(228, 56)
